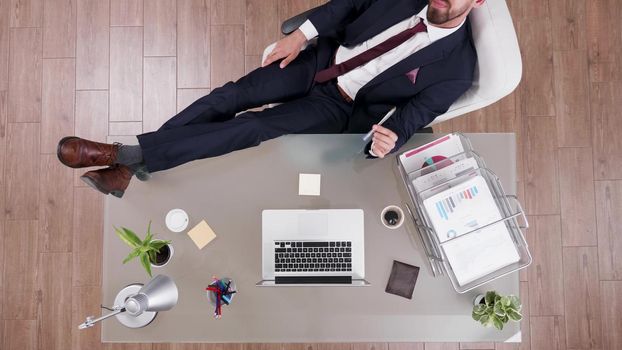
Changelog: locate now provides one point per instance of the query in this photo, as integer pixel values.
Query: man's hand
(288, 48)
(383, 141)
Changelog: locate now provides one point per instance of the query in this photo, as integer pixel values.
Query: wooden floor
(121, 67)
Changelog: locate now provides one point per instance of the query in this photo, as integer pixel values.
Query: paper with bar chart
(463, 208)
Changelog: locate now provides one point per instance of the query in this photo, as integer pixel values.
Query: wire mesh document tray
(468, 226)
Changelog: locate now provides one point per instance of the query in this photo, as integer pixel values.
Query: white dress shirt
(354, 80)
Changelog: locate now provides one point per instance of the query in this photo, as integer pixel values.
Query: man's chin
(436, 17)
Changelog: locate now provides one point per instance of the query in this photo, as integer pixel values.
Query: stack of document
(464, 208)
(457, 200)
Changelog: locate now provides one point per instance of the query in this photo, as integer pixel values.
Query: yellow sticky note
(201, 234)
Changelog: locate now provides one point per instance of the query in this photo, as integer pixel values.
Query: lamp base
(126, 319)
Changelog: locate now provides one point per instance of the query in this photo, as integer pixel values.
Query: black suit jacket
(446, 66)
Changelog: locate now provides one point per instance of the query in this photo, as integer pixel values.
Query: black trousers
(209, 127)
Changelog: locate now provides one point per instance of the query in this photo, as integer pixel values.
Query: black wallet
(402, 280)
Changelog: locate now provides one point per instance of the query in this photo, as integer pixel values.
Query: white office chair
(499, 66)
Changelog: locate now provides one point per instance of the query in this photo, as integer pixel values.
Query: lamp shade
(159, 294)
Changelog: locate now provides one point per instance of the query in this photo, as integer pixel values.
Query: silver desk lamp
(136, 305)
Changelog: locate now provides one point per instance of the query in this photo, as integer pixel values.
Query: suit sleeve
(423, 108)
(335, 13)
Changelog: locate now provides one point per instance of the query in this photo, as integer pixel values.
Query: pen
(217, 312)
(387, 116)
(225, 297)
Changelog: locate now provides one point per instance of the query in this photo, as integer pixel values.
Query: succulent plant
(497, 310)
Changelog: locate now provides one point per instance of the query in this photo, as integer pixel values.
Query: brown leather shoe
(75, 152)
(112, 180)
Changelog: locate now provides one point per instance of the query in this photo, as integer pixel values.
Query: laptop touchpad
(310, 224)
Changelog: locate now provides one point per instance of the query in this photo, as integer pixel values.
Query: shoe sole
(60, 145)
(95, 185)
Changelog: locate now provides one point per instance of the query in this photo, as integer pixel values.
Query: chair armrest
(293, 23)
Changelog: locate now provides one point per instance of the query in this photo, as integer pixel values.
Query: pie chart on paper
(430, 162)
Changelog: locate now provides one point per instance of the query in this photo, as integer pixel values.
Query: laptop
(313, 248)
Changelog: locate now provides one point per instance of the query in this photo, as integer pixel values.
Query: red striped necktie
(344, 67)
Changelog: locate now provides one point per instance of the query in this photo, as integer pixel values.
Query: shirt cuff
(371, 153)
(308, 30)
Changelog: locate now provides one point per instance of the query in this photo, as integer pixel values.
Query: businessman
(370, 55)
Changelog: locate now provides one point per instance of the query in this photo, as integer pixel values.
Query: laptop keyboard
(297, 256)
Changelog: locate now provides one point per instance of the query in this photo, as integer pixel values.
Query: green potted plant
(496, 310)
(150, 251)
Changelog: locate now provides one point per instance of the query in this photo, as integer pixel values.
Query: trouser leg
(322, 111)
(264, 85)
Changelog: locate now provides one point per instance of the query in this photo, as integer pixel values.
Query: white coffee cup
(400, 217)
(177, 220)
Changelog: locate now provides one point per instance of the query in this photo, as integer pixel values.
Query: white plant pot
(478, 299)
(170, 247)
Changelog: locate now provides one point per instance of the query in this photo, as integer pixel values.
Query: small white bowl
(177, 220)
